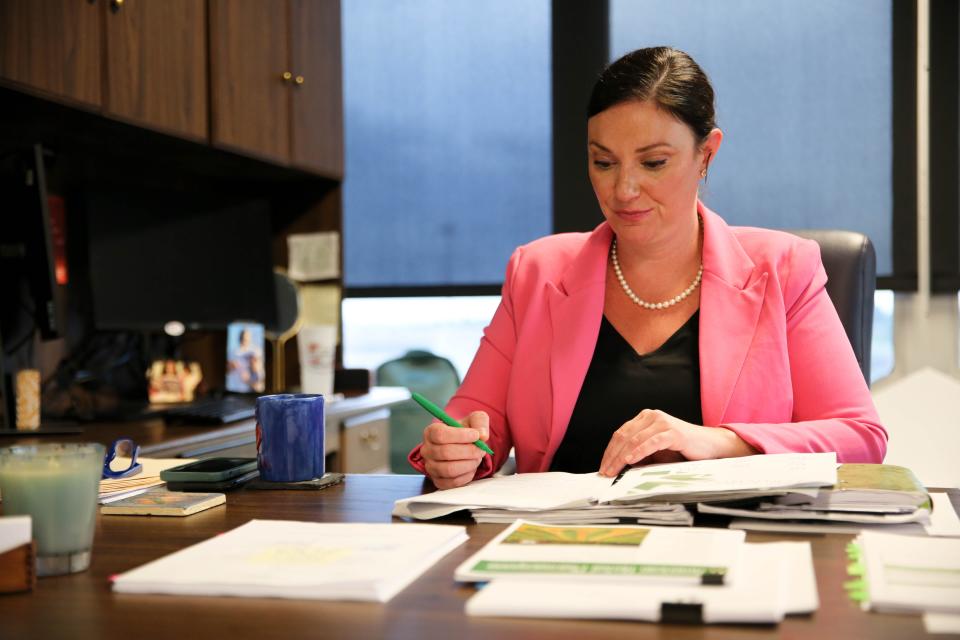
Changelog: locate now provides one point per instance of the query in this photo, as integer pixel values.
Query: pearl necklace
(643, 303)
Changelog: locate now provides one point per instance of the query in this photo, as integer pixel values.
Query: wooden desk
(82, 606)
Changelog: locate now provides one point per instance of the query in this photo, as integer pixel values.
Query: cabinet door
(52, 46)
(248, 56)
(156, 61)
(365, 443)
(317, 107)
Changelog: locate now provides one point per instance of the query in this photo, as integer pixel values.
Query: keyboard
(212, 411)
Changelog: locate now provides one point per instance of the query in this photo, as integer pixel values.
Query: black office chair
(851, 266)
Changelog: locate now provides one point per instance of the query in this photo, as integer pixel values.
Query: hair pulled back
(667, 76)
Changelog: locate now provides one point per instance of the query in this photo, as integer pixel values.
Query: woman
(664, 334)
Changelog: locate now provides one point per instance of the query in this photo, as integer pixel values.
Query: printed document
(622, 553)
(776, 579)
(309, 560)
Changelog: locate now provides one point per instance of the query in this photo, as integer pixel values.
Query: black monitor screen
(155, 259)
(26, 248)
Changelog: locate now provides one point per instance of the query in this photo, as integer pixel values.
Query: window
(447, 125)
(376, 330)
(804, 95)
(882, 347)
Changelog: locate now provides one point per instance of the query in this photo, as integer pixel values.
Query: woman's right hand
(449, 455)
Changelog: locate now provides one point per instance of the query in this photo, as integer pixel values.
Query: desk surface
(82, 605)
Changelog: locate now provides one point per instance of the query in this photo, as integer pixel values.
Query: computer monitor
(161, 257)
(31, 299)
(27, 261)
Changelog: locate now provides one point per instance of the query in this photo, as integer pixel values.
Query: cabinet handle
(286, 76)
(116, 5)
(298, 80)
(371, 439)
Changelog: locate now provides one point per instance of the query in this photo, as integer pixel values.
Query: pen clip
(620, 475)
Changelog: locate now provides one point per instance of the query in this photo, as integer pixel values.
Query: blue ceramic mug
(290, 437)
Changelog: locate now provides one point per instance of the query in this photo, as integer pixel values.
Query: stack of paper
(724, 478)
(307, 560)
(903, 574)
(864, 493)
(636, 573)
(662, 513)
(554, 496)
(113, 489)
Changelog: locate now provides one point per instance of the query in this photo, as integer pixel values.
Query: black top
(620, 383)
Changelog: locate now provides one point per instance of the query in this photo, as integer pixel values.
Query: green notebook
(870, 487)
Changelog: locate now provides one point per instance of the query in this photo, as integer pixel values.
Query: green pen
(441, 415)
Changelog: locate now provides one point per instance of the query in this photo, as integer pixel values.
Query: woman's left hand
(653, 431)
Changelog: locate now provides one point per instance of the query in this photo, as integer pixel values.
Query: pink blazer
(775, 364)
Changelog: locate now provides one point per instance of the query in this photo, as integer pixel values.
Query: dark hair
(665, 75)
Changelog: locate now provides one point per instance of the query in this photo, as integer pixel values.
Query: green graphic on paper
(670, 479)
(544, 534)
(596, 568)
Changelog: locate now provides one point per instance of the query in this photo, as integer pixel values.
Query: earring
(703, 173)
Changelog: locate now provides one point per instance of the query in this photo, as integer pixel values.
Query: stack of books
(864, 494)
(652, 573)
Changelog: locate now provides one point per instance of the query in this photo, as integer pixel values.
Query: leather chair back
(851, 266)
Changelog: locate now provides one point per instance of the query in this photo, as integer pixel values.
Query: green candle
(56, 485)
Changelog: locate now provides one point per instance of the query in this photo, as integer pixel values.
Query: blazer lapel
(576, 306)
(731, 298)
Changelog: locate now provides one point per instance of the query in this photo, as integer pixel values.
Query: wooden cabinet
(53, 46)
(156, 65)
(275, 81)
(317, 104)
(249, 97)
(139, 60)
(273, 73)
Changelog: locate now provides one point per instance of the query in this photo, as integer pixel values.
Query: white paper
(917, 515)
(318, 349)
(14, 532)
(769, 471)
(641, 513)
(911, 574)
(943, 518)
(314, 256)
(822, 526)
(551, 490)
(800, 580)
(305, 560)
(606, 553)
(941, 623)
(776, 579)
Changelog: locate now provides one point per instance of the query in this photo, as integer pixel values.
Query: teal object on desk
(441, 415)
